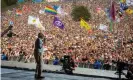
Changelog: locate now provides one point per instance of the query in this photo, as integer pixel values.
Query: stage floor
(12, 74)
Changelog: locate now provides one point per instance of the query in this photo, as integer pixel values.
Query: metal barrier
(81, 64)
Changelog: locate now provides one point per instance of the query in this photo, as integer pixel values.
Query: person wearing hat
(38, 54)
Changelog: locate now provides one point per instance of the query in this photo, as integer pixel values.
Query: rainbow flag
(50, 10)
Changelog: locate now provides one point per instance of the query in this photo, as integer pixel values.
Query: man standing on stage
(38, 54)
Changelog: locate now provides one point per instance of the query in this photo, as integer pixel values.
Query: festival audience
(3, 56)
(97, 47)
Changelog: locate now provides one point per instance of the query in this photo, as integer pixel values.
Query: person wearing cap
(38, 54)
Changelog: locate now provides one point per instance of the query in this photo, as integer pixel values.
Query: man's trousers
(39, 62)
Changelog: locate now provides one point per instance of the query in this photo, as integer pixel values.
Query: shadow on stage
(40, 79)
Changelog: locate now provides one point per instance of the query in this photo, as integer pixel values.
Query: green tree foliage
(11, 2)
(80, 12)
(6, 3)
(3, 4)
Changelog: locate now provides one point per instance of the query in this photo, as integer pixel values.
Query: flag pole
(80, 28)
(111, 26)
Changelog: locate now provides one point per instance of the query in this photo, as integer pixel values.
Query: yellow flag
(123, 1)
(129, 11)
(84, 24)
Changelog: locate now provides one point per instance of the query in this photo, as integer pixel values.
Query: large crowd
(83, 46)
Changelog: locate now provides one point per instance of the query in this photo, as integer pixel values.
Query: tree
(80, 12)
(9, 2)
(6, 4)
(3, 4)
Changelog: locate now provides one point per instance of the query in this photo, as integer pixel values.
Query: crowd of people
(97, 47)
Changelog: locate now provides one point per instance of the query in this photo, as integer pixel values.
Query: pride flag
(50, 10)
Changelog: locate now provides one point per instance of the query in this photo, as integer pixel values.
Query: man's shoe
(35, 76)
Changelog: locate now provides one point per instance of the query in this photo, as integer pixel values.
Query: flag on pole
(129, 2)
(36, 22)
(129, 11)
(42, 12)
(112, 10)
(50, 9)
(123, 6)
(39, 25)
(123, 1)
(61, 11)
(18, 12)
(58, 23)
(107, 11)
(84, 24)
(55, 7)
(32, 20)
(103, 27)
